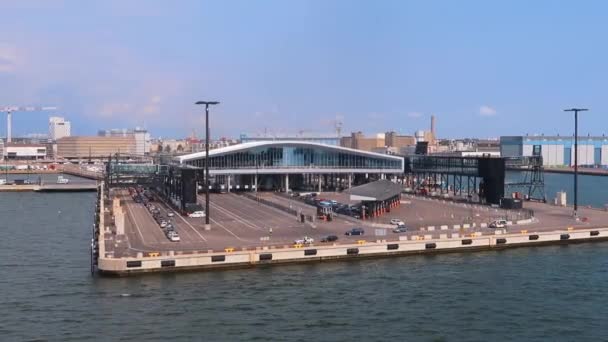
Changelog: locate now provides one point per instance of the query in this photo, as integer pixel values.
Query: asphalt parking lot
(241, 222)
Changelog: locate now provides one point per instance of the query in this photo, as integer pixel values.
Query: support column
(319, 183)
(286, 183)
(350, 180)
(255, 182)
(228, 183)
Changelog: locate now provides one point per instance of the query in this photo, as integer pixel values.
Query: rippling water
(47, 293)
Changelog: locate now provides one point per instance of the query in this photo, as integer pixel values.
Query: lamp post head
(207, 103)
(576, 110)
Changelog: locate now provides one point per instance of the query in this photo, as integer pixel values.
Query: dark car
(355, 231)
(329, 238)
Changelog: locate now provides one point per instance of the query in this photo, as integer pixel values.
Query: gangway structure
(532, 181)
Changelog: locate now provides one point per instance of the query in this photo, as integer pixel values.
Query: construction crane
(9, 116)
(338, 126)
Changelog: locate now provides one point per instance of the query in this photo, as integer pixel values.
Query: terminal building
(287, 165)
(557, 150)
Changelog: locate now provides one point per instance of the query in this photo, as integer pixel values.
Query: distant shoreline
(31, 172)
(563, 170)
(582, 171)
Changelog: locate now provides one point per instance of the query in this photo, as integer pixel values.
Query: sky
(483, 68)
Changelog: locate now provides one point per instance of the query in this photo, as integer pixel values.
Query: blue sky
(484, 68)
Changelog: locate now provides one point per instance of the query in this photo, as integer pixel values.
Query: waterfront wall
(172, 261)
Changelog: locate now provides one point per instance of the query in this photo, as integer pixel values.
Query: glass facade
(455, 165)
(293, 156)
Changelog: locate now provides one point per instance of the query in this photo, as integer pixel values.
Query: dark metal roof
(375, 191)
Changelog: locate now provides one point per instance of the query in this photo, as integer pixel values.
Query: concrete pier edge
(281, 256)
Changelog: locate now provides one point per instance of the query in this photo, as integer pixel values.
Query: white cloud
(9, 58)
(487, 111)
(414, 115)
(112, 110)
(153, 106)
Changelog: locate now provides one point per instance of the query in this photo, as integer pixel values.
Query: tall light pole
(207, 104)
(576, 110)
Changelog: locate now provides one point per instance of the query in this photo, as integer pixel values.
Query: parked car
(400, 229)
(329, 238)
(170, 214)
(355, 231)
(197, 214)
(498, 224)
(304, 241)
(397, 222)
(163, 224)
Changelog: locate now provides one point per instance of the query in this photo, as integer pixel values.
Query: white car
(304, 241)
(170, 214)
(197, 214)
(173, 236)
(499, 224)
(397, 222)
(163, 224)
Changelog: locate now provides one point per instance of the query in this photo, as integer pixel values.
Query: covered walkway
(377, 197)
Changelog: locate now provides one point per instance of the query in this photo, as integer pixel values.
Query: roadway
(236, 221)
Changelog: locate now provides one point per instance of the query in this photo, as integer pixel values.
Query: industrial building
(557, 150)
(83, 147)
(293, 164)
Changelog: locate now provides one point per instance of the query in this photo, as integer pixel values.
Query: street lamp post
(207, 104)
(576, 110)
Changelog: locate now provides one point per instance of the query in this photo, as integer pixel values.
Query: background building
(59, 128)
(25, 151)
(359, 141)
(320, 139)
(558, 150)
(143, 143)
(392, 142)
(94, 147)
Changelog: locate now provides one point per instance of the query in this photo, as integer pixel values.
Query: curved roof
(282, 143)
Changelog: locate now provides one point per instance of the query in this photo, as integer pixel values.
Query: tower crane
(338, 126)
(9, 110)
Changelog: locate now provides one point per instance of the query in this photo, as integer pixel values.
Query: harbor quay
(247, 232)
(279, 202)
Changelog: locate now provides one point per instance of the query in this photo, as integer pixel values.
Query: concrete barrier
(466, 226)
(444, 227)
(483, 225)
(456, 226)
(418, 244)
(430, 228)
